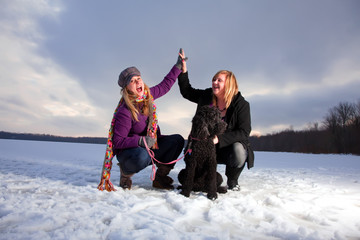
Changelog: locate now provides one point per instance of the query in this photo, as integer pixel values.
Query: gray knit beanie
(126, 75)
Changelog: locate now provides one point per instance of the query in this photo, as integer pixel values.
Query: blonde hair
(231, 87)
(130, 100)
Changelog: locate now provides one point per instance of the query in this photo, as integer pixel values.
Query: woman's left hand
(181, 61)
(215, 140)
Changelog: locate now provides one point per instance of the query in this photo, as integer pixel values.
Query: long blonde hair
(231, 87)
(134, 107)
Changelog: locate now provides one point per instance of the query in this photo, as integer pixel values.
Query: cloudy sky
(60, 60)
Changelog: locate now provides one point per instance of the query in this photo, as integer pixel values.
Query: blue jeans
(233, 156)
(133, 160)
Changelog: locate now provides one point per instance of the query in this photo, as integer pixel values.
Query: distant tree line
(339, 133)
(51, 138)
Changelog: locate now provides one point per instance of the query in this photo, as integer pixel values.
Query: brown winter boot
(162, 180)
(125, 179)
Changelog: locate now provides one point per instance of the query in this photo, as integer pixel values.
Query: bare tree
(332, 120)
(346, 113)
(357, 114)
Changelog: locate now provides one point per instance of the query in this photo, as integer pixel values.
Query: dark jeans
(133, 160)
(233, 156)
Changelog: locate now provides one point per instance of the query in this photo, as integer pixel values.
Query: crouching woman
(233, 146)
(135, 126)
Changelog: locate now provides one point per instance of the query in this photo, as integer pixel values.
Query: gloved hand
(149, 141)
(181, 57)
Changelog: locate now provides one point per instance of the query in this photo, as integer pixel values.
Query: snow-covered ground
(48, 191)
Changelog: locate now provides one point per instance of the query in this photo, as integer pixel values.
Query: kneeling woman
(135, 126)
(232, 147)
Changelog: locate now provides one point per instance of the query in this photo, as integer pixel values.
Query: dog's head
(207, 123)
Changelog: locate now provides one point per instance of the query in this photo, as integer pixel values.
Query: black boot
(219, 180)
(232, 177)
(162, 180)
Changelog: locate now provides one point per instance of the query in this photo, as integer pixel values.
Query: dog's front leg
(211, 180)
(189, 178)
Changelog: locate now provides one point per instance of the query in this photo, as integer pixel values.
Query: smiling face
(136, 86)
(218, 85)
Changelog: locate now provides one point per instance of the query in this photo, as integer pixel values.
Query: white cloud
(42, 89)
(177, 118)
(345, 71)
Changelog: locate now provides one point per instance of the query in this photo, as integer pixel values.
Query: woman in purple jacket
(136, 126)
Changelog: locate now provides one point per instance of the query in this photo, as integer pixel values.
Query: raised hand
(181, 61)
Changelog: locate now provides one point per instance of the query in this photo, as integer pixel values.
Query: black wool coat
(237, 115)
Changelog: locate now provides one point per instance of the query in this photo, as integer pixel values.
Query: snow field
(48, 191)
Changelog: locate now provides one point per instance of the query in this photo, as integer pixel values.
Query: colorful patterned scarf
(109, 154)
(153, 120)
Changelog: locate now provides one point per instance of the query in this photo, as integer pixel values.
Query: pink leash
(152, 156)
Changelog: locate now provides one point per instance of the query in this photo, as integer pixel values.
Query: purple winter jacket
(127, 131)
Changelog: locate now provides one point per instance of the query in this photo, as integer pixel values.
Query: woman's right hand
(148, 140)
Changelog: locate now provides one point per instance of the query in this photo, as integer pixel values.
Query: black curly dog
(200, 171)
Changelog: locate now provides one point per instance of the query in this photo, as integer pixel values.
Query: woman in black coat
(233, 147)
